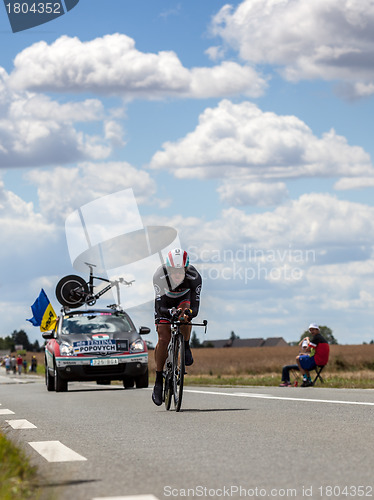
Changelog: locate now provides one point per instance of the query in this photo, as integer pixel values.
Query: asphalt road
(254, 442)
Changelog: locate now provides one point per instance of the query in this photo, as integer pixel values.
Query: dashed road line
(5, 411)
(21, 424)
(55, 451)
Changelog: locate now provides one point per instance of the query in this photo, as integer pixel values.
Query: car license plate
(105, 361)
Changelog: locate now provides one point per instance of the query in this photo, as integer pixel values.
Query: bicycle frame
(175, 365)
(91, 287)
(97, 295)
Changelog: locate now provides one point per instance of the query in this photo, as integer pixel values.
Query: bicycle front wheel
(167, 391)
(178, 371)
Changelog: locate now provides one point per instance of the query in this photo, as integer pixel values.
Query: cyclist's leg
(161, 353)
(185, 329)
(161, 349)
(186, 332)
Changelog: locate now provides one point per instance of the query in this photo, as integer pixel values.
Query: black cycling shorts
(168, 303)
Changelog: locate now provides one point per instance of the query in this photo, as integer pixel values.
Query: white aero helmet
(177, 258)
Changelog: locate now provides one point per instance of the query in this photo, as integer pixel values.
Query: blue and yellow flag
(44, 315)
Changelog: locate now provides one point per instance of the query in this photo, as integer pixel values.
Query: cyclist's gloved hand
(187, 314)
(174, 313)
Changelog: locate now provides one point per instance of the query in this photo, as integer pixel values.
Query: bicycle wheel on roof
(71, 291)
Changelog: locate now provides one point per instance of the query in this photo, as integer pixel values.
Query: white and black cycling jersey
(167, 297)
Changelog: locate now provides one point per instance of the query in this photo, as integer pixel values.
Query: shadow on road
(212, 409)
(66, 483)
(96, 389)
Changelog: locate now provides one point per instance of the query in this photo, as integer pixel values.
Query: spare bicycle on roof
(73, 291)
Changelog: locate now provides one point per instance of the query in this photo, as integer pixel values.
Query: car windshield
(95, 323)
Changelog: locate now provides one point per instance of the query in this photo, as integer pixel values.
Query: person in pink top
(19, 362)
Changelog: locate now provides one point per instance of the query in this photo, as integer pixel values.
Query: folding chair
(318, 370)
(296, 373)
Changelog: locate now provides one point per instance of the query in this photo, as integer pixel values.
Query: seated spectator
(287, 368)
(317, 354)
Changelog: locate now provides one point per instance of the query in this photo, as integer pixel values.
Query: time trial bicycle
(73, 291)
(175, 364)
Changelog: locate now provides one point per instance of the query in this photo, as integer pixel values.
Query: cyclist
(177, 296)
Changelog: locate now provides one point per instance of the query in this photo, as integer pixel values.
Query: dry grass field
(262, 360)
(349, 365)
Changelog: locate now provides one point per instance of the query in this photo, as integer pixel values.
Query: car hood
(97, 336)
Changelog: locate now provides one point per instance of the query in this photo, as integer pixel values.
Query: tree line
(19, 337)
(325, 331)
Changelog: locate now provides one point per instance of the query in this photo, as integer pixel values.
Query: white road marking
(55, 451)
(265, 396)
(21, 424)
(5, 411)
(132, 497)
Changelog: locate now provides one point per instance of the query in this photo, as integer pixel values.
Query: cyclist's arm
(196, 284)
(161, 306)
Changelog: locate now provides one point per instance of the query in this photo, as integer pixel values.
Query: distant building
(248, 342)
(259, 342)
(275, 342)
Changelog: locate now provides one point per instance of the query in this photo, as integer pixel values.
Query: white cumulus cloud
(26, 240)
(112, 65)
(325, 39)
(346, 183)
(240, 140)
(74, 187)
(37, 131)
(261, 194)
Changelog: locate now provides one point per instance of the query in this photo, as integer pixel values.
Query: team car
(95, 345)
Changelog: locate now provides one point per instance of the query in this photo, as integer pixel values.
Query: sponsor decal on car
(89, 346)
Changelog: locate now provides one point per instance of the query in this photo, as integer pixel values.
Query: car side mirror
(48, 335)
(144, 330)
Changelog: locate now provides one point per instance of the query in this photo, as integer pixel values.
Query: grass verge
(363, 379)
(17, 477)
(338, 381)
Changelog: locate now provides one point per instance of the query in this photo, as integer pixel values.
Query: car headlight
(137, 345)
(66, 349)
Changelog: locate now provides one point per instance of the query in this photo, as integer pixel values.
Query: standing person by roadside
(34, 364)
(7, 364)
(19, 362)
(319, 349)
(13, 364)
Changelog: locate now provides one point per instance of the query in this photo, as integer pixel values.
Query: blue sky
(247, 126)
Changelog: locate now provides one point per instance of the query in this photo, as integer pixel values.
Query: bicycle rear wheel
(71, 291)
(178, 371)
